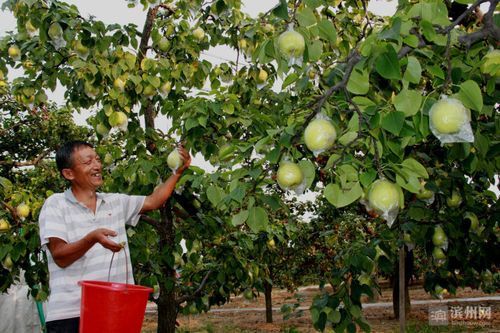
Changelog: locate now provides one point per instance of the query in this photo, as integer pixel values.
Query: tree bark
(268, 288)
(395, 284)
(167, 312)
(167, 305)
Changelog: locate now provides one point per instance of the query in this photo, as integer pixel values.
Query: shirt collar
(68, 194)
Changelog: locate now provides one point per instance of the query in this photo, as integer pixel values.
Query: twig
(448, 63)
(155, 223)
(360, 132)
(467, 12)
(489, 28)
(376, 157)
(187, 298)
(32, 162)
(407, 49)
(352, 59)
(10, 209)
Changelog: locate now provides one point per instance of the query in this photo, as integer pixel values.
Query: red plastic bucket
(111, 307)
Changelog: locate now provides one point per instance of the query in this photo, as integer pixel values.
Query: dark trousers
(70, 325)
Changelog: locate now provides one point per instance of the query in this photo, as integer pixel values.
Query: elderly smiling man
(81, 228)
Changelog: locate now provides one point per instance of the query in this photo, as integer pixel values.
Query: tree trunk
(167, 305)
(167, 312)
(268, 288)
(395, 284)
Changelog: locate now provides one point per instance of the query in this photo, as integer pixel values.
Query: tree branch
(462, 16)
(448, 63)
(360, 131)
(146, 33)
(407, 49)
(489, 28)
(32, 162)
(11, 209)
(352, 59)
(187, 298)
(149, 111)
(151, 221)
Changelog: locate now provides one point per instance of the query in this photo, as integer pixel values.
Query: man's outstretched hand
(186, 158)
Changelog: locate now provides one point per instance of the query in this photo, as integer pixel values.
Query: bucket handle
(126, 263)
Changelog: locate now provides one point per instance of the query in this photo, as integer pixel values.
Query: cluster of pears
(319, 136)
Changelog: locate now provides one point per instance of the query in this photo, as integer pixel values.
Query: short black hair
(64, 153)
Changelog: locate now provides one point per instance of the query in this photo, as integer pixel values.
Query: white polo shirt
(62, 216)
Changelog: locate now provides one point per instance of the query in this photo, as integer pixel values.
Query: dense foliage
(375, 79)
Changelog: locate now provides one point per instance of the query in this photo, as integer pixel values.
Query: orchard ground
(241, 315)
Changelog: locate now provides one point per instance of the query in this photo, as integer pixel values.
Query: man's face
(87, 168)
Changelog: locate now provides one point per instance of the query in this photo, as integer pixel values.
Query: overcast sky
(116, 11)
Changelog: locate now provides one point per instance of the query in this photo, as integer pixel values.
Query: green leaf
(411, 40)
(393, 122)
(266, 51)
(313, 3)
(228, 108)
(238, 194)
(367, 177)
(334, 316)
(432, 11)
(257, 219)
(272, 200)
(5, 186)
(365, 104)
(306, 17)
(347, 138)
(273, 155)
(387, 64)
(436, 71)
(327, 31)
(339, 198)
(214, 194)
(315, 50)
(356, 311)
(289, 80)
(408, 102)
(416, 167)
(393, 32)
(470, 95)
(428, 30)
(413, 71)
(348, 172)
(410, 183)
(309, 171)
(359, 82)
(239, 218)
(281, 10)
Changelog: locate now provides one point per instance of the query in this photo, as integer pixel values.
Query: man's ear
(68, 174)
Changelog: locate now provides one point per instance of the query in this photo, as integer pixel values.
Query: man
(82, 228)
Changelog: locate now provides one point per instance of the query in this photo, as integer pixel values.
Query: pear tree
(375, 78)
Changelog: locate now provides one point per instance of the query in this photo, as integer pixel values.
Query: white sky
(116, 11)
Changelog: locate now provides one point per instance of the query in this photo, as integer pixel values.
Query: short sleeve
(132, 207)
(51, 220)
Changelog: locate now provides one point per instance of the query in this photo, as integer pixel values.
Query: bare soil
(241, 315)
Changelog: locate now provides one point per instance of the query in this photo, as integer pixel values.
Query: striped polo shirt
(62, 216)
